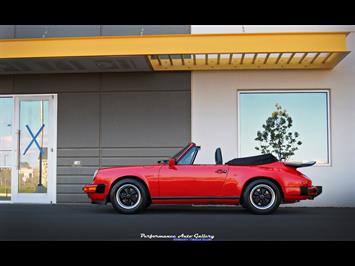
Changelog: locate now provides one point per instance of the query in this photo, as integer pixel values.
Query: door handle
(221, 171)
(18, 149)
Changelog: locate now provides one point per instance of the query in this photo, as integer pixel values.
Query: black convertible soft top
(254, 160)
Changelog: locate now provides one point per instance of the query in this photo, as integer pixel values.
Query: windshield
(176, 156)
(189, 157)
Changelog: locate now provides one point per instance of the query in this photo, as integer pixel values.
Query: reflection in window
(309, 113)
(33, 172)
(5, 183)
(6, 111)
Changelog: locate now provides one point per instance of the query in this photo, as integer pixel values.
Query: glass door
(33, 177)
(6, 122)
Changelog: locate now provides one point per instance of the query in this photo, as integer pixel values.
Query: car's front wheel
(262, 196)
(129, 196)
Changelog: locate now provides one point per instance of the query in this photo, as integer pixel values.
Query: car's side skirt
(195, 198)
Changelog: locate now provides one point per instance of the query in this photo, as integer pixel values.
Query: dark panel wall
(47, 31)
(6, 84)
(79, 120)
(111, 119)
(162, 110)
(57, 83)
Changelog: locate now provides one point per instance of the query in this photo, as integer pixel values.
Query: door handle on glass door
(18, 149)
(221, 171)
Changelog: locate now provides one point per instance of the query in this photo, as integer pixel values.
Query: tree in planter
(276, 138)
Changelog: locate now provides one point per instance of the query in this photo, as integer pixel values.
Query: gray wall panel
(7, 31)
(107, 162)
(57, 83)
(136, 152)
(47, 31)
(166, 29)
(145, 119)
(50, 31)
(78, 120)
(74, 179)
(119, 30)
(6, 84)
(70, 152)
(72, 198)
(69, 188)
(166, 81)
(71, 170)
(83, 161)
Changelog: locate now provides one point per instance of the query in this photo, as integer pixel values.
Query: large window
(262, 111)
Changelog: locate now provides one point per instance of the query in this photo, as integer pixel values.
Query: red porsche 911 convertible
(259, 183)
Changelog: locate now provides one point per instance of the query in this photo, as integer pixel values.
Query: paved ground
(93, 222)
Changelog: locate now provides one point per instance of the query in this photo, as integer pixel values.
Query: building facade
(62, 117)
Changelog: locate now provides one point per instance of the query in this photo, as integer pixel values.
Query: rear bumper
(312, 191)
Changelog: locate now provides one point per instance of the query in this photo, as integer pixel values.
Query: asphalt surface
(94, 222)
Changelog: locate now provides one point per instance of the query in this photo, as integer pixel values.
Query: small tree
(276, 137)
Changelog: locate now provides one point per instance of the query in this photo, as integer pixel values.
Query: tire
(243, 205)
(129, 196)
(266, 204)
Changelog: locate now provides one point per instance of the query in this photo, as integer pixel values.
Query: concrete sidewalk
(92, 222)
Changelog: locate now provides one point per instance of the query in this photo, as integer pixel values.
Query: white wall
(214, 117)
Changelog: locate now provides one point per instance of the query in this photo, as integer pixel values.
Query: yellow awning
(320, 50)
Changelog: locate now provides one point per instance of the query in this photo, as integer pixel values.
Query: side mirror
(172, 163)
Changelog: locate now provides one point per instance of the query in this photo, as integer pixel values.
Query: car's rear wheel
(129, 196)
(262, 196)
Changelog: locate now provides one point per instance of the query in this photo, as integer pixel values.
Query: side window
(189, 157)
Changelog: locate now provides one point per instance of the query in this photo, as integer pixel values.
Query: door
(192, 181)
(6, 142)
(34, 149)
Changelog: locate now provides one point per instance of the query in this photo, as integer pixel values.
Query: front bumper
(312, 191)
(96, 193)
(94, 188)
